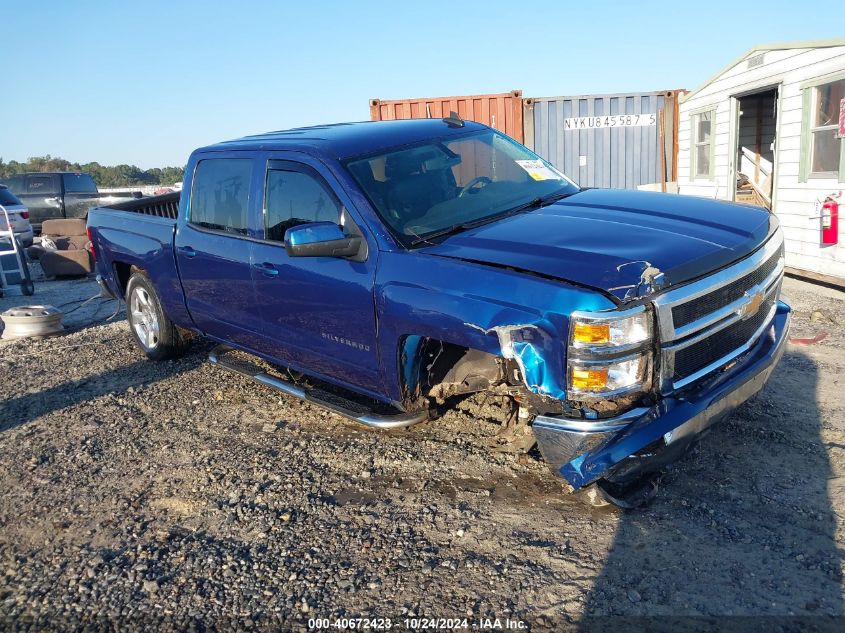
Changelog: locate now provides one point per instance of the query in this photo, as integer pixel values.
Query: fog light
(589, 379)
(608, 377)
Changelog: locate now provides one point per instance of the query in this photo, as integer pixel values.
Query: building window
(824, 124)
(822, 152)
(702, 160)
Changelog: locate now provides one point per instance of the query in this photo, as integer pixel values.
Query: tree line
(104, 176)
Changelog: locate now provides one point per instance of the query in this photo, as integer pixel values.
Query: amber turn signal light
(589, 379)
(591, 333)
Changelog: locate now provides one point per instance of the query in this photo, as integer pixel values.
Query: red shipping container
(500, 111)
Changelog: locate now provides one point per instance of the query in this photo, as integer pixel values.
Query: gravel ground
(173, 494)
(67, 294)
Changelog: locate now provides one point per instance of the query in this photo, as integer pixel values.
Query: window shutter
(692, 148)
(713, 144)
(804, 161)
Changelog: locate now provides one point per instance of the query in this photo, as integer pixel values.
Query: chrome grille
(697, 356)
(707, 323)
(688, 312)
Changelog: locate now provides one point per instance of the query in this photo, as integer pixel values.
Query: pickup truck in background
(388, 269)
(54, 195)
(110, 197)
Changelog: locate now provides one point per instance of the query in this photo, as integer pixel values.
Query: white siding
(794, 202)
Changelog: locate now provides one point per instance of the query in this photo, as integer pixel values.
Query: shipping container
(501, 111)
(619, 141)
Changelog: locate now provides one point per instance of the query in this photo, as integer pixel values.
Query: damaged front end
(615, 384)
(622, 451)
(610, 363)
(670, 369)
(637, 385)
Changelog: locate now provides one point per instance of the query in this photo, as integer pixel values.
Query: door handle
(267, 269)
(187, 251)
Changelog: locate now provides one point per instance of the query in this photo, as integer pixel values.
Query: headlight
(610, 331)
(609, 353)
(602, 378)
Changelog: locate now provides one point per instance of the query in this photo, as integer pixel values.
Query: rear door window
(7, 198)
(220, 195)
(39, 184)
(79, 183)
(295, 197)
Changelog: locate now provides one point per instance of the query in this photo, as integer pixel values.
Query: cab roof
(345, 140)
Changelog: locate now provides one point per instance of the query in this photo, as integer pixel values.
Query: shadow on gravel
(741, 536)
(17, 411)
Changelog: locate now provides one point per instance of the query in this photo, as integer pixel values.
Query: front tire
(154, 333)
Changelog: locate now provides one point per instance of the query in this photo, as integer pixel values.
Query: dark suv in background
(50, 195)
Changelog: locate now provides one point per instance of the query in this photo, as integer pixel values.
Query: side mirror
(321, 239)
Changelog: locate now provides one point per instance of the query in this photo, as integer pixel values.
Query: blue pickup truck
(388, 269)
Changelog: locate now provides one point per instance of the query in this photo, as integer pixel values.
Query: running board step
(340, 405)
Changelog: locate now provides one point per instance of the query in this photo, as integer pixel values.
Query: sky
(146, 82)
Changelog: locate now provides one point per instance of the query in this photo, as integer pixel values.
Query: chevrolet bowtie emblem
(751, 306)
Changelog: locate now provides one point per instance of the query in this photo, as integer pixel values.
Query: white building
(764, 130)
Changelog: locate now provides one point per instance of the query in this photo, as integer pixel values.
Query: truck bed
(165, 206)
(139, 234)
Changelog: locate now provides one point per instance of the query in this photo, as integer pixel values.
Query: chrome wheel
(142, 315)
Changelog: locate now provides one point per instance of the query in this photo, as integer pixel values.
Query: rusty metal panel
(501, 111)
(618, 141)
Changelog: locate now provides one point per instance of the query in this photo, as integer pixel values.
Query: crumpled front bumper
(583, 451)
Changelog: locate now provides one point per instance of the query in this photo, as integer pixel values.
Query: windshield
(445, 183)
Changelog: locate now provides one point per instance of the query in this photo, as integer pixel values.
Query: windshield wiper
(451, 230)
(535, 203)
(541, 201)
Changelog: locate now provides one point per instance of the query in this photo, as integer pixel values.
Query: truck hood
(613, 240)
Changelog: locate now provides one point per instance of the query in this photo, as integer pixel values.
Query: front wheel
(156, 335)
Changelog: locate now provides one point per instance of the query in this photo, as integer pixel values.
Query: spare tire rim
(35, 320)
(144, 319)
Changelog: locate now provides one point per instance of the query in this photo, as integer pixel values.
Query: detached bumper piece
(331, 400)
(627, 449)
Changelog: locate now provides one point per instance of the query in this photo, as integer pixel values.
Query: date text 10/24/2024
(416, 624)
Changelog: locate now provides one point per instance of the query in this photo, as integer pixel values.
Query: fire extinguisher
(830, 219)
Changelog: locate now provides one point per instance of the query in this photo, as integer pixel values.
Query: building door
(754, 146)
